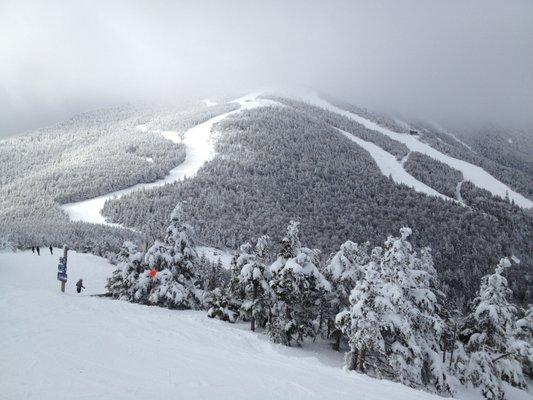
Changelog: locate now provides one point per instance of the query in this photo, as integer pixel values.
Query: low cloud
(453, 62)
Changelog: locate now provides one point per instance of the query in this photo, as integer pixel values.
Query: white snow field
(477, 175)
(199, 149)
(75, 346)
(62, 346)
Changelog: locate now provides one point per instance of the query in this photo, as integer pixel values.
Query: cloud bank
(452, 61)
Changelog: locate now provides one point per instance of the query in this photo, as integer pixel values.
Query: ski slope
(69, 346)
(390, 166)
(199, 149)
(477, 175)
(75, 346)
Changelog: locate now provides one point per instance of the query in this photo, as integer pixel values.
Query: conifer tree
(299, 288)
(253, 280)
(490, 330)
(176, 263)
(342, 270)
(393, 324)
(120, 284)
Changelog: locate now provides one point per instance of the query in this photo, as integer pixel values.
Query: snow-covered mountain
(246, 167)
(241, 169)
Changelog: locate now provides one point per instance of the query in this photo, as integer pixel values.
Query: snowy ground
(69, 346)
(199, 149)
(477, 175)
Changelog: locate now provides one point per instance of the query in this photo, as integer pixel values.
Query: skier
(33, 249)
(79, 286)
(51, 250)
(38, 251)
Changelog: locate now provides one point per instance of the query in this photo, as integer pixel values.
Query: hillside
(344, 172)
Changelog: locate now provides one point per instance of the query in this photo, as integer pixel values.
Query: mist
(453, 62)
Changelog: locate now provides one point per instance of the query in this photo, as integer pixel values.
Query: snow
(142, 128)
(390, 166)
(148, 159)
(477, 175)
(173, 136)
(213, 254)
(63, 346)
(458, 195)
(199, 150)
(209, 102)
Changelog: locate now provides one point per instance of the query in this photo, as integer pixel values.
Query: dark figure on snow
(33, 249)
(79, 286)
(38, 251)
(51, 250)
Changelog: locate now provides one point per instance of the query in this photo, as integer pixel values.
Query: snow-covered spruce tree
(225, 302)
(221, 305)
(489, 330)
(524, 341)
(176, 263)
(343, 270)
(253, 280)
(299, 288)
(393, 324)
(123, 281)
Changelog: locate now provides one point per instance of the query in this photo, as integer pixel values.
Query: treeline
(278, 164)
(384, 304)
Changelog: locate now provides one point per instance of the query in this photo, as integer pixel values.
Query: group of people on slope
(79, 284)
(38, 249)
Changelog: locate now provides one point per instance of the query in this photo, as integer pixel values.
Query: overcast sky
(449, 61)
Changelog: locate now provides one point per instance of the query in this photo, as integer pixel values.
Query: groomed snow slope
(390, 166)
(477, 175)
(69, 346)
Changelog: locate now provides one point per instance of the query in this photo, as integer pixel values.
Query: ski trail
(390, 166)
(199, 150)
(477, 175)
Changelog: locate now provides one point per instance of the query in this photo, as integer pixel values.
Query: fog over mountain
(453, 62)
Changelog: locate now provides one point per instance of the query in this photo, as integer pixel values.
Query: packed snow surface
(390, 166)
(76, 346)
(199, 149)
(477, 175)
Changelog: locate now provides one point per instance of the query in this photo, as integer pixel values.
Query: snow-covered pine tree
(393, 324)
(176, 260)
(343, 270)
(120, 285)
(524, 341)
(253, 280)
(220, 305)
(490, 330)
(363, 322)
(299, 288)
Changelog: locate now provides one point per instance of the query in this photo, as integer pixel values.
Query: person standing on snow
(33, 249)
(79, 286)
(38, 251)
(51, 250)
